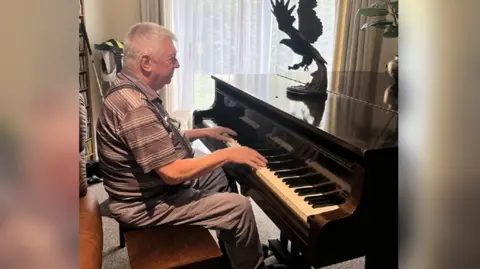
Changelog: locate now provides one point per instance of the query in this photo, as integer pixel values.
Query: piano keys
(304, 186)
(332, 164)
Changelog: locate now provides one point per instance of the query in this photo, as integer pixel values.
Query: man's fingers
(262, 158)
(259, 156)
(223, 138)
(253, 165)
(260, 164)
(258, 159)
(228, 131)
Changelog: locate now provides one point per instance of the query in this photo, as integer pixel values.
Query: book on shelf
(85, 98)
(82, 63)
(88, 148)
(88, 132)
(84, 87)
(88, 151)
(82, 80)
(81, 44)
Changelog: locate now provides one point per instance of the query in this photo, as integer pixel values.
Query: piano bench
(166, 246)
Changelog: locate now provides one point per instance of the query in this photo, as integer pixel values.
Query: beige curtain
(151, 11)
(158, 11)
(355, 50)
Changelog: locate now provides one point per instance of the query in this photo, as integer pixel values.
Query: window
(234, 37)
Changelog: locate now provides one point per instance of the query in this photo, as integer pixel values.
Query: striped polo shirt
(133, 141)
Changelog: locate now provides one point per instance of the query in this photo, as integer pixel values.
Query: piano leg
(283, 241)
(280, 253)
(225, 260)
(293, 259)
(297, 259)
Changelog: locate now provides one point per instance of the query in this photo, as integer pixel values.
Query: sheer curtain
(231, 36)
(356, 50)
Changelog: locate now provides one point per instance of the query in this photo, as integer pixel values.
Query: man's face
(164, 64)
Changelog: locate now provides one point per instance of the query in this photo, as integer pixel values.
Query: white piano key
(287, 194)
(281, 189)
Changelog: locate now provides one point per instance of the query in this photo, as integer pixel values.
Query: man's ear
(146, 63)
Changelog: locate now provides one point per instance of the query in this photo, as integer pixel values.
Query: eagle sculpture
(300, 41)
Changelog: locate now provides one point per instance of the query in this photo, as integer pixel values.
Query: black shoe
(273, 263)
(276, 266)
(94, 180)
(266, 251)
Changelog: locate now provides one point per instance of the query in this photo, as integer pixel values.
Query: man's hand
(187, 169)
(220, 133)
(245, 155)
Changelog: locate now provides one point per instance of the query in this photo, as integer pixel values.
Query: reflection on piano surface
(332, 165)
(391, 96)
(309, 109)
(367, 87)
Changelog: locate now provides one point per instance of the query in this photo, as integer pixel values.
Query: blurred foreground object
(439, 140)
(90, 233)
(83, 140)
(39, 113)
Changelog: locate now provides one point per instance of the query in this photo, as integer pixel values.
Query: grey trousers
(208, 203)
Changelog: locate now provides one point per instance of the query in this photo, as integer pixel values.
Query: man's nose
(177, 64)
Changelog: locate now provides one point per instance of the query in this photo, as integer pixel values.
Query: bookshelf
(84, 87)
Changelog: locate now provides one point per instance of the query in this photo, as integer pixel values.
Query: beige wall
(106, 19)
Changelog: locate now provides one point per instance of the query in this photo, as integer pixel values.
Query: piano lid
(359, 124)
(371, 87)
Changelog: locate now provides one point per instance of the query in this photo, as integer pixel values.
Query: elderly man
(150, 171)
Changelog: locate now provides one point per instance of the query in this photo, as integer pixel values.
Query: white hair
(144, 39)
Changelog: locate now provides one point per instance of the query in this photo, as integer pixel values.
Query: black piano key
(297, 183)
(294, 171)
(334, 198)
(272, 151)
(313, 174)
(321, 197)
(262, 146)
(252, 144)
(323, 204)
(285, 164)
(316, 189)
(278, 157)
(285, 161)
(258, 143)
(305, 180)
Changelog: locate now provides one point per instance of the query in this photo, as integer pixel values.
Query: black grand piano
(330, 184)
